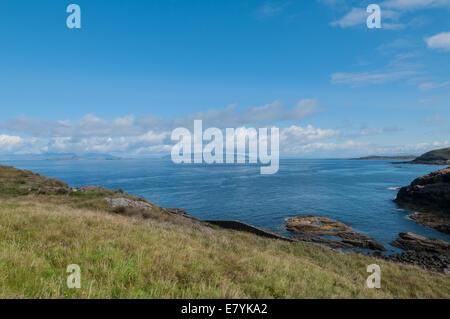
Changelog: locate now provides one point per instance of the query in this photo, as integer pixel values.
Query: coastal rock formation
(315, 225)
(411, 241)
(424, 252)
(313, 229)
(429, 194)
(430, 191)
(440, 222)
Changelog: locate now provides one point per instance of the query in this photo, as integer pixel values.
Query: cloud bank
(144, 136)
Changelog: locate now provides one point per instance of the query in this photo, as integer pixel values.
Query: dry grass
(122, 257)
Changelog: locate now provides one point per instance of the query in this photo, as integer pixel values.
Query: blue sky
(137, 69)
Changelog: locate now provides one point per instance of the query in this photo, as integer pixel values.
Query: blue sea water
(357, 193)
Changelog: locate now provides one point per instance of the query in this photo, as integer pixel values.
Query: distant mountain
(46, 155)
(235, 157)
(88, 156)
(100, 156)
(376, 157)
(59, 157)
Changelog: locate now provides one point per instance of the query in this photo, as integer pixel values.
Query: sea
(358, 193)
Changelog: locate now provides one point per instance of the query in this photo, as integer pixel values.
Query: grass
(167, 256)
(436, 155)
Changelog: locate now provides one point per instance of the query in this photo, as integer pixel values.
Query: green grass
(166, 256)
(436, 155)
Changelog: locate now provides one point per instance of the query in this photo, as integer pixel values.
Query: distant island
(75, 157)
(377, 157)
(436, 157)
(60, 157)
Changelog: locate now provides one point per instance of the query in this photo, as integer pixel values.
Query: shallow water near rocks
(356, 193)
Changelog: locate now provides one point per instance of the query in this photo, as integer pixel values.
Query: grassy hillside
(45, 226)
(441, 156)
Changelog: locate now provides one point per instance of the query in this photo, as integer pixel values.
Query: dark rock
(312, 229)
(240, 226)
(410, 241)
(439, 263)
(359, 240)
(428, 253)
(438, 221)
(429, 191)
(430, 195)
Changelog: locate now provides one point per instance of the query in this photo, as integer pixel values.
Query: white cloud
(417, 149)
(439, 41)
(352, 148)
(370, 131)
(414, 4)
(391, 12)
(427, 86)
(88, 125)
(131, 135)
(301, 135)
(427, 100)
(10, 143)
(231, 116)
(375, 77)
(356, 16)
(303, 109)
(152, 137)
(270, 9)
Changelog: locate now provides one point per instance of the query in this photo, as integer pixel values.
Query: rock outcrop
(424, 252)
(240, 226)
(320, 229)
(430, 195)
(411, 241)
(128, 203)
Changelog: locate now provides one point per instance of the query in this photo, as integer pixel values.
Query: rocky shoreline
(430, 196)
(428, 253)
(413, 242)
(438, 263)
